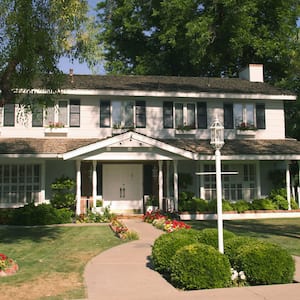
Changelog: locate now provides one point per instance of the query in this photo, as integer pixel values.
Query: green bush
(209, 236)
(241, 206)
(63, 193)
(226, 206)
(43, 214)
(263, 204)
(232, 246)
(5, 215)
(166, 245)
(199, 266)
(194, 205)
(265, 263)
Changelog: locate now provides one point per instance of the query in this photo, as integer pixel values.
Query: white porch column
(288, 185)
(43, 184)
(78, 187)
(258, 183)
(175, 164)
(160, 184)
(94, 183)
(168, 182)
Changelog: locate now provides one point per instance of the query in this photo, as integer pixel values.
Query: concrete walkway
(123, 272)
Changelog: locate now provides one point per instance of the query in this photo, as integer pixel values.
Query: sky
(65, 65)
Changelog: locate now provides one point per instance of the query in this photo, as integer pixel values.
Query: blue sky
(65, 64)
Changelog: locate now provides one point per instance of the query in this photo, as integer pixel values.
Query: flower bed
(7, 265)
(121, 230)
(163, 222)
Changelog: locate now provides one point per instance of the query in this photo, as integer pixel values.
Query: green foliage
(241, 206)
(232, 247)
(263, 204)
(226, 206)
(30, 50)
(63, 193)
(265, 263)
(5, 215)
(166, 245)
(43, 214)
(199, 266)
(209, 236)
(193, 205)
(94, 217)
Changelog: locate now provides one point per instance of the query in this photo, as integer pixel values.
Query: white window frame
(56, 114)
(185, 114)
(245, 117)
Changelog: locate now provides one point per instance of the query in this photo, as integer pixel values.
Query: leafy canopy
(34, 34)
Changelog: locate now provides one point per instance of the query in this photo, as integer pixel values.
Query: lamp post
(217, 142)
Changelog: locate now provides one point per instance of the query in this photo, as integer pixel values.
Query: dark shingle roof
(171, 84)
(231, 147)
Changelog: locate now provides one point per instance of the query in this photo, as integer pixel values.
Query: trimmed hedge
(265, 263)
(166, 245)
(199, 266)
(209, 236)
(43, 214)
(232, 246)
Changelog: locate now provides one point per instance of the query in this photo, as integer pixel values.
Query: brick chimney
(253, 73)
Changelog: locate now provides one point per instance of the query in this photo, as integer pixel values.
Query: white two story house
(123, 138)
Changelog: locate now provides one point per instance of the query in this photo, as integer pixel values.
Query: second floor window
(187, 115)
(122, 114)
(64, 113)
(244, 115)
(9, 115)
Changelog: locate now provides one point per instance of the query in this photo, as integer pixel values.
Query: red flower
(3, 256)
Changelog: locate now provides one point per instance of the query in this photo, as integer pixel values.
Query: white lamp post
(217, 142)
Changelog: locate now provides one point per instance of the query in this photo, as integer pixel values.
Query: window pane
(104, 113)
(249, 115)
(140, 114)
(74, 113)
(168, 114)
(190, 115)
(49, 118)
(179, 115)
(9, 115)
(116, 114)
(63, 112)
(238, 115)
(127, 114)
(37, 117)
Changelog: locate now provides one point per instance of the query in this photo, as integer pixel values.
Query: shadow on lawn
(262, 228)
(12, 234)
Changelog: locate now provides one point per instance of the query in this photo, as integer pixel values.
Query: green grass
(285, 232)
(51, 259)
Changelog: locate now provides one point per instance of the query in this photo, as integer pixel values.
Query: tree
(204, 38)
(200, 38)
(34, 34)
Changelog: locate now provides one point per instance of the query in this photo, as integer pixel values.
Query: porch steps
(130, 217)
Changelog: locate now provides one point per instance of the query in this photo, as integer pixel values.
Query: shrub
(241, 206)
(262, 204)
(5, 215)
(199, 266)
(166, 245)
(194, 205)
(43, 214)
(232, 246)
(226, 206)
(63, 193)
(209, 236)
(265, 263)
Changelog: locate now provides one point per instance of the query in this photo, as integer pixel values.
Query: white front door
(123, 186)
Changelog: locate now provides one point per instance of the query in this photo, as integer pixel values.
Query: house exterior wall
(90, 119)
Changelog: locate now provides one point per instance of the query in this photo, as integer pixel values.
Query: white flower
(234, 275)
(242, 275)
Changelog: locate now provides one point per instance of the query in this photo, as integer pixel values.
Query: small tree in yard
(63, 193)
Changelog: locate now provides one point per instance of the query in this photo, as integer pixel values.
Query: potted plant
(151, 204)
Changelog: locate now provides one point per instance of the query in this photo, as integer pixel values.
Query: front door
(123, 185)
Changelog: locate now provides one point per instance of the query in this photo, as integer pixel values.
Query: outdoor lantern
(217, 134)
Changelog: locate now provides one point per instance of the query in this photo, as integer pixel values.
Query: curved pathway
(123, 272)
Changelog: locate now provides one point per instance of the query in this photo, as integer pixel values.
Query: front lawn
(285, 232)
(51, 259)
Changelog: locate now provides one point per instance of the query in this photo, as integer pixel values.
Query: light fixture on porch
(217, 142)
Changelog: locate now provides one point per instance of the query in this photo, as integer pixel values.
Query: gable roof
(170, 84)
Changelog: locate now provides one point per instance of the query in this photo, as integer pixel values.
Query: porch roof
(287, 149)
